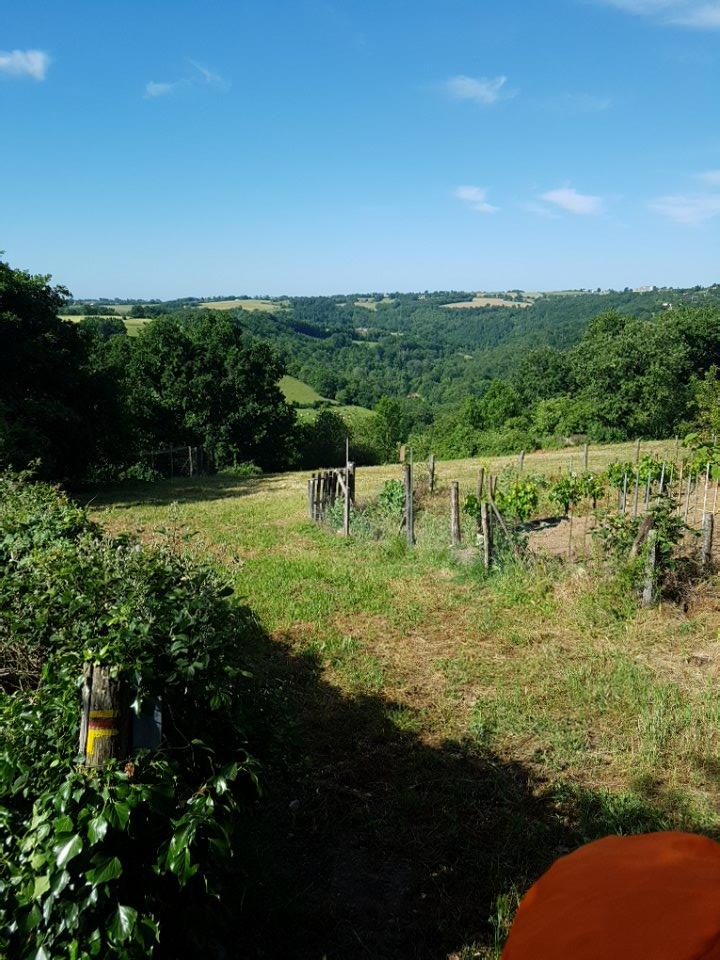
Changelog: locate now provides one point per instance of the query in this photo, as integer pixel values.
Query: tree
(634, 374)
(322, 440)
(201, 381)
(45, 387)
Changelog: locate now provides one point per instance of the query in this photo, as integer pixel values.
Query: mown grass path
(433, 738)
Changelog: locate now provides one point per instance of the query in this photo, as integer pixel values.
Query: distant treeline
(88, 401)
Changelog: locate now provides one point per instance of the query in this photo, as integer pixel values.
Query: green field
(350, 414)
(296, 391)
(265, 306)
(133, 325)
(451, 733)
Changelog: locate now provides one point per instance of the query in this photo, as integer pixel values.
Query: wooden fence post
(637, 451)
(351, 479)
(318, 494)
(521, 461)
(190, 461)
(635, 492)
(105, 717)
(346, 504)
(310, 496)
(455, 537)
(409, 505)
(486, 534)
(708, 526)
(586, 454)
(431, 472)
(649, 588)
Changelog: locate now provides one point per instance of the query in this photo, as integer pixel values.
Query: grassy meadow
(433, 736)
(264, 306)
(297, 391)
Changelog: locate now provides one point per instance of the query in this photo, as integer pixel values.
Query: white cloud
(25, 63)
(476, 198)
(539, 210)
(202, 77)
(154, 89)
(482, 90)
(711, 177)
(207, 76)
(698, 14)
(568, 199)
(692, 209)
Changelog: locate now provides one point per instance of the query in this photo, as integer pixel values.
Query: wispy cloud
(539, 210)
(697, 14)
(207, 76)
(691, 209)
(25, 63)
(710, 177)
(476, 198)
(568, 199)
(155, 89)
(479, 89)
(201, 76)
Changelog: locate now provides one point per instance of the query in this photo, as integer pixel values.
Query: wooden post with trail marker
(455, 537)
(105, 717)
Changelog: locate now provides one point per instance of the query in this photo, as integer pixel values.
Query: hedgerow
(127, 861)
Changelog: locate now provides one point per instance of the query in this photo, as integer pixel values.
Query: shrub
(519, 500)
(391, 498)
(126, 860)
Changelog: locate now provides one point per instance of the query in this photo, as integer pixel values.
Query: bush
(391, 499)
(124, 861)
(242, 471)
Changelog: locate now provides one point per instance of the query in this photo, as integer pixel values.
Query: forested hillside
(357, 348)
(88, 400)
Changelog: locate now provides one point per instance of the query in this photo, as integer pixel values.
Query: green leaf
(64, 852)
(123, 923)
(122, 814)
(97, 829)
(42, 954)
(42, 885)
(110, 870)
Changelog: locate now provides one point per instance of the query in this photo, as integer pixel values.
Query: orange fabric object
(649, 897)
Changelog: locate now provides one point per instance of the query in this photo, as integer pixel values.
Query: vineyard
(656, 507)
(441, 732)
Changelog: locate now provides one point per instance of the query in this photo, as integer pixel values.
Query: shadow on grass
(371, 841)
(180, 490)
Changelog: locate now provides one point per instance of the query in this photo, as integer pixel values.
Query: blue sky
(319, 146)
